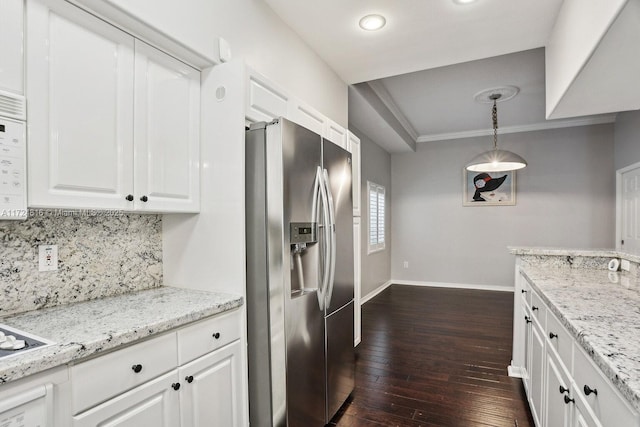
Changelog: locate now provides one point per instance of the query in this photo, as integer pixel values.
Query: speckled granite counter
(602, 312)
(86, 328)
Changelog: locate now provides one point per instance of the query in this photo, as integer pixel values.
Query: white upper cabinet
(265, 101)
(11, 46)
(306, 116)
(354, 149)
(80, 91)
(337, 134)
(167, 132)
(86, 82)
(591, 59)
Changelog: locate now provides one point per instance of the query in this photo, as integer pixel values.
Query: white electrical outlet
(48, 257)
(625, 265)
(405, 264)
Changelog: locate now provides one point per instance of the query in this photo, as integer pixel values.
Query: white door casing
(628, 209)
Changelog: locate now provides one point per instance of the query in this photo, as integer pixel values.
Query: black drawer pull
(129, 198)
(552, 335)
(189, 379)
(175, 386)
(527, 319)
(144, 198)
(588, 390)
(216, 335)
(563, 390)
(523, 291)
(568, 400)
(534, 308)
(137, 368)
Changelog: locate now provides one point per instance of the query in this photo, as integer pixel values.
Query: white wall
(261, 38)
(376, 167)
(627, 139)
(565, 197)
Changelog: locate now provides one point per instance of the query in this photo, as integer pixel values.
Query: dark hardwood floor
(436, 357)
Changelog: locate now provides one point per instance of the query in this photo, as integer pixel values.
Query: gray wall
(565, 198)
(376, 167)
(627, 139)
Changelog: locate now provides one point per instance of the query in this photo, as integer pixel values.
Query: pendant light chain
(494, 116)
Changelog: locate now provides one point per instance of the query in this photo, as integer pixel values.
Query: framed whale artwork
(489, 188)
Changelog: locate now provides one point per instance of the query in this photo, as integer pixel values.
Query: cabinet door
(80, 88)
(167, 132)
(307, 116)
(557, 412)
(337, 134)
(536, 373)
(265, 101)
(354, 149)
(153, 404)
(212, 394)
(11, 37)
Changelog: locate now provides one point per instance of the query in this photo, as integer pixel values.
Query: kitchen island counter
(89, 328)
(601, 309)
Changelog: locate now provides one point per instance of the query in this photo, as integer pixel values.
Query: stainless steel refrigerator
(299, 276)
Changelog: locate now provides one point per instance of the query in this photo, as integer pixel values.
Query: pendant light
(496, 160)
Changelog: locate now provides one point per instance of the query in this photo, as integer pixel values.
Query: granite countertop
(602, 311)
(83, 329)
(607, 253)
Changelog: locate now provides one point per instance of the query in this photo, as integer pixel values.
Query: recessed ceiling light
(464, 1)
(372, 22)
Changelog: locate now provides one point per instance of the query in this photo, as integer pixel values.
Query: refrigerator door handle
(332, 242)
(326, 233)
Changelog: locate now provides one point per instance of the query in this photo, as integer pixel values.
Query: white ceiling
(416, 77)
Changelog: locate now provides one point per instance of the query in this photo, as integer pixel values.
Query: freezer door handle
(332, 239)
(325, 232)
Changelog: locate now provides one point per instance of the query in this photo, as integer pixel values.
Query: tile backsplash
(97, 256)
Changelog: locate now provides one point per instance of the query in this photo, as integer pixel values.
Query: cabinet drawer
(99, 379)
(560, 339)
(607, 404)
(207, 335)
(538, 309)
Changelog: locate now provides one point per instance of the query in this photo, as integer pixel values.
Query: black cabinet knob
(216, 335)
(563, 390)
(527, 319)
(129, 197)
(552, 335)
(568, 400)
(189, 379)
(175, 386)
(524, 291)
(534, 308)
(588, 390)
(136, 368)
(144, 198)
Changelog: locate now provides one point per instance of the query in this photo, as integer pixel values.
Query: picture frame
(500, 188)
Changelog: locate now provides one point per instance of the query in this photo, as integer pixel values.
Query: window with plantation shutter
(376, 216)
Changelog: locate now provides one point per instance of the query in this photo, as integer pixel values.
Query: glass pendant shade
(496, 161)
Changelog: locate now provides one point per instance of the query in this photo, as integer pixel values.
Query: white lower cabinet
(536, 372)
(564, 386)
(145, 385)
(211, 389)
(153, 404)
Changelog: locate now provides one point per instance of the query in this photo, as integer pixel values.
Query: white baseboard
(375, 292)
(514, 371)
(385, 285)
(454, 285)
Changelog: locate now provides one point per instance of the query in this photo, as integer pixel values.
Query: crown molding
(555, 124)
(382, 93)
